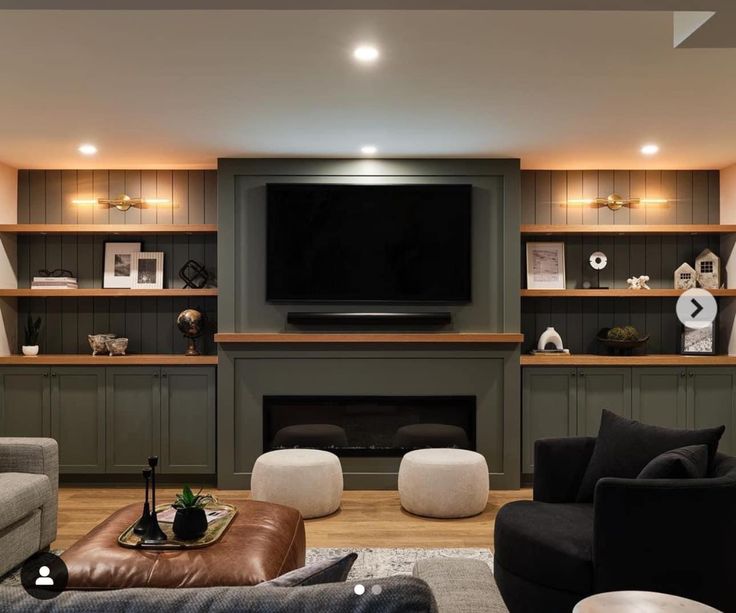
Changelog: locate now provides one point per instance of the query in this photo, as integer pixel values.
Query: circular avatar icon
(44, 576)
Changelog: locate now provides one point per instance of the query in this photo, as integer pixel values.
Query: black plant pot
(189, 524)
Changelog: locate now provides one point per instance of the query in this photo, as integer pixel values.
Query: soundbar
(318, 318)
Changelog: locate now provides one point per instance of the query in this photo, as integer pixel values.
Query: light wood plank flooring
(366, 519)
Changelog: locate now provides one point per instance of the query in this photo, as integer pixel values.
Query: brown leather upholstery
(264, 541)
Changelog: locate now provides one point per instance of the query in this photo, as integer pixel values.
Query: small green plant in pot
(31, 332)
(190, 521)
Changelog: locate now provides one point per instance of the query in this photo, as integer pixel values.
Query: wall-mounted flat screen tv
(368, 243)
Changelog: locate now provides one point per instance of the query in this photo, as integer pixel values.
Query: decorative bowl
(618, 347)
(97, 342)
(116, 346)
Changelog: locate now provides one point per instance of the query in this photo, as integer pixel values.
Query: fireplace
(368, 425)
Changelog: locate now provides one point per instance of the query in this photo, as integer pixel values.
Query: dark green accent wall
(242, 308)
(46, 196)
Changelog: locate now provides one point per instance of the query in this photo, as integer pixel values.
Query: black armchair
(676, 536)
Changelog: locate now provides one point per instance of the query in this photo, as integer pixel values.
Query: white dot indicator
(376, 590)
(359, 589)
(367, 54)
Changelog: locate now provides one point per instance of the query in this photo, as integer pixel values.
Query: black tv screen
(368, 243)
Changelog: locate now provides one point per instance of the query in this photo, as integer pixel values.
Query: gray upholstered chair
(29, 485)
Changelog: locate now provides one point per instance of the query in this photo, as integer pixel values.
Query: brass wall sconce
(123, 202)
(615, 201)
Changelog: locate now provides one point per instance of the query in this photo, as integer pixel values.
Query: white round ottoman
(443, 483)
(307, 479)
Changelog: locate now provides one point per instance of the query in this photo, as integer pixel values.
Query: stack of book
(54, 283)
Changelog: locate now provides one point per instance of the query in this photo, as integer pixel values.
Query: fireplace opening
(368, 425)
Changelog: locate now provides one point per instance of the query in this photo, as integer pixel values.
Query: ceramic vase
(550, 335)
(190, 523)
(30, 350)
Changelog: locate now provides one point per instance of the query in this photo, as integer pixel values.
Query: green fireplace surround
(247, 370)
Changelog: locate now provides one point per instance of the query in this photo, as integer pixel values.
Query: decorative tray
(215, 530)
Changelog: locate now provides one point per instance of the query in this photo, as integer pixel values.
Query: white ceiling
(180, 88)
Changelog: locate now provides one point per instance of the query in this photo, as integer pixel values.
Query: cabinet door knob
(155, 375)
(682, 374)
(164, 375)
(53, 374)
(692, 374)
(45, 374)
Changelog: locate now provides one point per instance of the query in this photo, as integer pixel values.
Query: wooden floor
(366, 519)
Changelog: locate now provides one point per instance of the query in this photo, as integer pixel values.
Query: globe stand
(191, 347)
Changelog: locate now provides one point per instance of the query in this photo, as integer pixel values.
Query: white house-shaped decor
(708, 267)
(685, 277)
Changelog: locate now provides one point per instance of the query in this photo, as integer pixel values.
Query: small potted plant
(30, 347)
(190, 521)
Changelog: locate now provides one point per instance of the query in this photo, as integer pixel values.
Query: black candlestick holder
(153, 533)
(142, 525)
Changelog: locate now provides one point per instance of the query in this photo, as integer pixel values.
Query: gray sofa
(29, 484)
(439, 585)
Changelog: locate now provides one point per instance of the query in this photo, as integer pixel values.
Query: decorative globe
(190, 323)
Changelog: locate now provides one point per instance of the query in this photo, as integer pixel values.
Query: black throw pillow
(684, 463)
(624, 447)
(330, 570)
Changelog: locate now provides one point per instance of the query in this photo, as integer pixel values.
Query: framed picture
(545, 265)
(699, 341)
(147, 270)
(118, 260)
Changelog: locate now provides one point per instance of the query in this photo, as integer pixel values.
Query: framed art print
(545, 265)
(118, 261)
(700, 340)
(147, 270)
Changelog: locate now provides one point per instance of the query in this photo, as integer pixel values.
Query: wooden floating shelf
(644, 360)
(58, 228)
(105, 293)
(106, 360)
(552, 229)
(614, 293)
(363, 338)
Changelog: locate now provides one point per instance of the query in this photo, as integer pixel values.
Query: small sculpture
(685, 277)
(708, 267)
(639, 282)
(550, 335)
(194, 275)
(598, 261)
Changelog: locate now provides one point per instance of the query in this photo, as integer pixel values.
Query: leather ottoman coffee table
(263, 541)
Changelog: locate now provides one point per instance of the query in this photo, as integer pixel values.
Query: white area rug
(385, 562)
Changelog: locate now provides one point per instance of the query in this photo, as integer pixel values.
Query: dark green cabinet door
(25, 406)
(548, 408)
(710, 402)
(133, 417)
(78, 418)
(602, 388)
(188, 420)
(659, 396)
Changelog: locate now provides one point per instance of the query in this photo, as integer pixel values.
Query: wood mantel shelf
(643, 360)
(64, 228)
(370, 337)
(614, 293)
(551, 229)
(147, 359)
(105, 293)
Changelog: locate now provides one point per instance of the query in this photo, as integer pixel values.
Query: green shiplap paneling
(46, 196)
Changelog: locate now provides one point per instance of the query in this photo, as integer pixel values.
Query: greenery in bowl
(31, 331)
(625, 333)
(189, 500)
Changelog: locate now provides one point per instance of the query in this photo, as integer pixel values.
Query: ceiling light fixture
(616, 201)
(368, 149)
(650, 149)
(123, 202)
(87, 149)
(366, 54)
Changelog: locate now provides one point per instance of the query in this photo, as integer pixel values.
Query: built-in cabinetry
(110, 419)
(567, 401)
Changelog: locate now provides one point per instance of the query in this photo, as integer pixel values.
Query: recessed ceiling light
(368, 149)
(650, 149)
(87, 149)
(366, 54)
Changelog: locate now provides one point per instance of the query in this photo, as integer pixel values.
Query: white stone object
(550, 335)
(639, 282)
(309, 480)
(708, 267)
(686, 277)
(443, 483)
